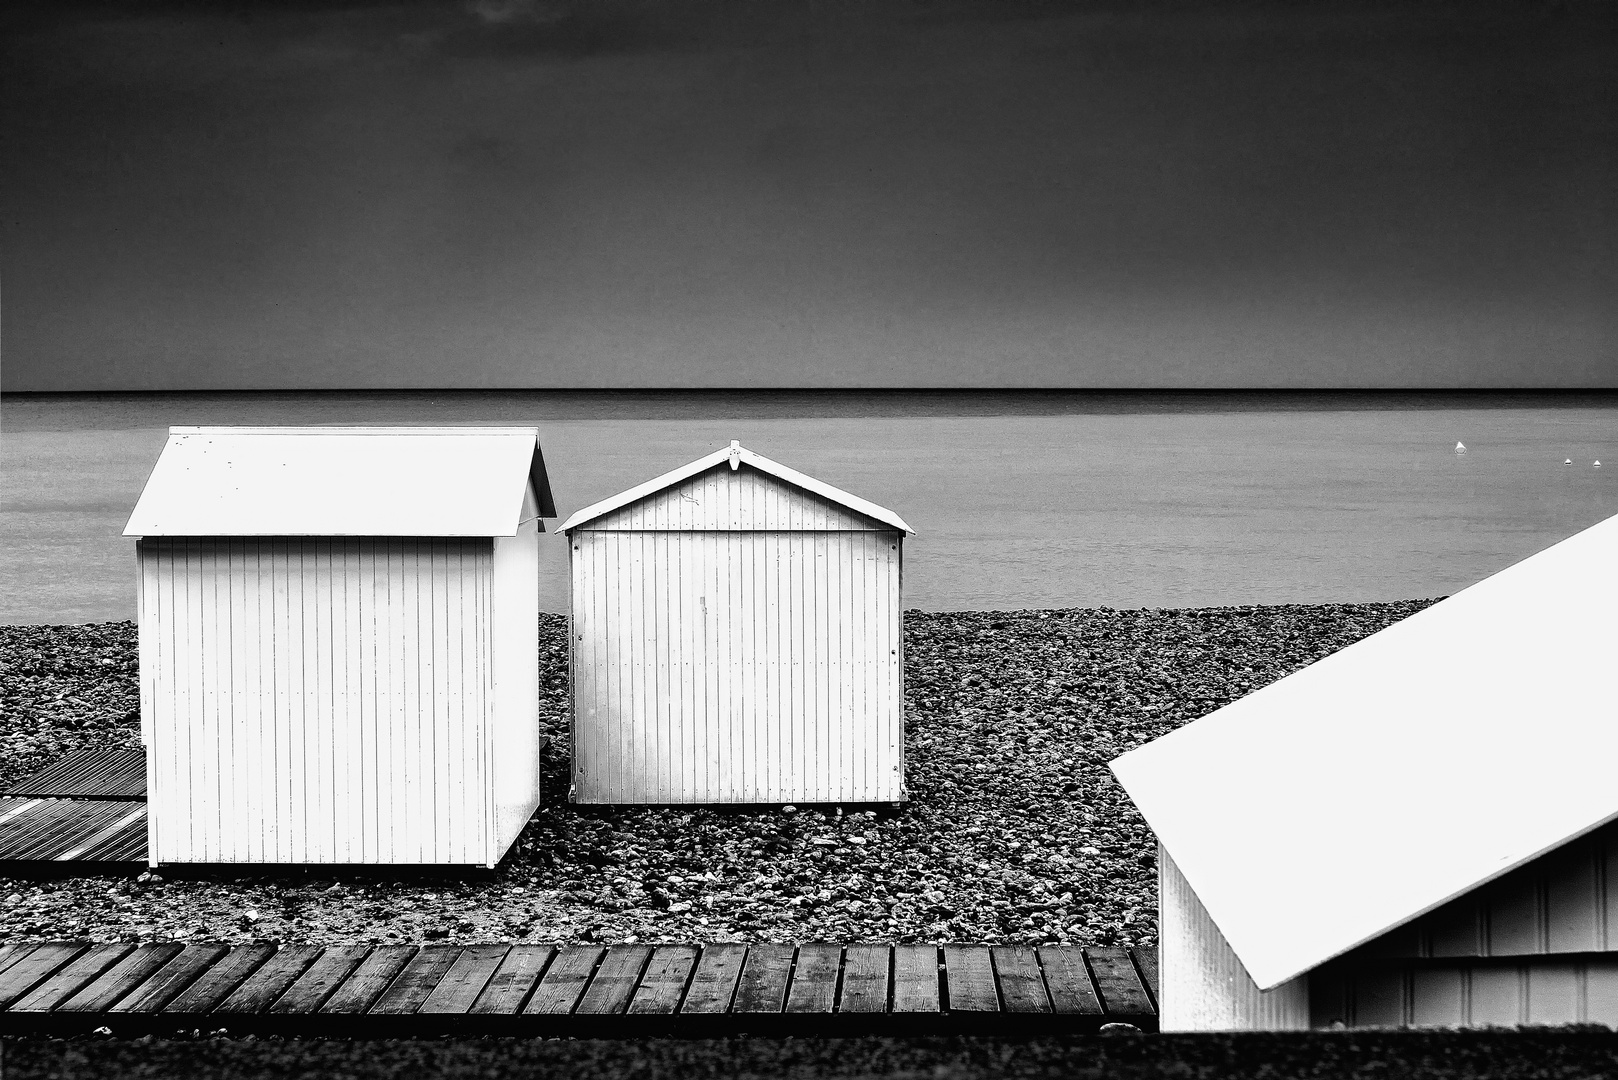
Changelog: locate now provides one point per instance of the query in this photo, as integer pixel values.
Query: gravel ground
(1564, 1054)
(1015, 830)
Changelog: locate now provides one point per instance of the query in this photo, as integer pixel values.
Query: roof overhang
(342, 481)
(1405, 770)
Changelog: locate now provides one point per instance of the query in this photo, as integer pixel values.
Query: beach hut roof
(334, 481)
(735, 456)
(1361, 792)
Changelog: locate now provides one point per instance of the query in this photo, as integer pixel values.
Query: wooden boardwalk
(817, 988)
(43, 831)
(88, 774)
(88, 807)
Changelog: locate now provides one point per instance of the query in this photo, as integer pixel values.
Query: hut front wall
(316, 701)
(737, 666)
(1204, 985)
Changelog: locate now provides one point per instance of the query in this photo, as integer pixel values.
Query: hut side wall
(1467, 993)
(315, 701)
(1565, 901)
(1204, 985)
(736, 666)
(1524, 949)
(514, 745)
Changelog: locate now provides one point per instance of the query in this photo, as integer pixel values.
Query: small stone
(789, 809)
(1116, 1028)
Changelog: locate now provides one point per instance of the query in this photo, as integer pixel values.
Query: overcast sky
(551, 193)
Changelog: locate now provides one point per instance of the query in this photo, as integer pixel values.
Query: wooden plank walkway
(88, 774)
(63, 987)
(39, 830)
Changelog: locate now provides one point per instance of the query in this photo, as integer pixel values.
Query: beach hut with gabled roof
(736, 638)
(1420, 829)
(339, 644)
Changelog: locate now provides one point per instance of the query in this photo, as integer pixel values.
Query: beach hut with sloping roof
(736, 638)
(1420, 829)
(339, 643)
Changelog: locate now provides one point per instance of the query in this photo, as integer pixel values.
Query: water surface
(1018, 500)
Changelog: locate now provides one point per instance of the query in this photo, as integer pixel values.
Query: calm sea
(1018, 500)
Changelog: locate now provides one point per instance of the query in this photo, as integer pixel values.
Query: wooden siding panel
(736, 667)
(1601, 991)
(509, 593)
(316, 700)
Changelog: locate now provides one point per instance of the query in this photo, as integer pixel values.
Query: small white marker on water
(1460, 448)
(1567, 461)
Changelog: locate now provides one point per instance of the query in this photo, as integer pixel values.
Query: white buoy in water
(1460, 448)
(1567, 461)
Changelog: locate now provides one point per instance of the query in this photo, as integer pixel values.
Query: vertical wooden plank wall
(736, 640)
(1565, 901)
(513, 748)
(1204, 987)
(315, 700)
(1524, 949)
(1467, 993)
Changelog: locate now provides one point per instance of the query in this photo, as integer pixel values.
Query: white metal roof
(324, 481)
(737, 455)
(1410, 767)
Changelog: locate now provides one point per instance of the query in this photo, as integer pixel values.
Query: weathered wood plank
(1145, 957)
(311, 989)
(564, 982)
(1022, 987)
(464, 981)
(969, 978)
(517, 974)
(360, 990)
(663, 985)
(168, 981)
(35, 967)
(220, 979)
(614, 982)
(139, 965)
(762, 987)
(1068, 979)
(915, 979)
(10, 954)
(1117, 982)
(713, 984)
(406, 993)
(70, 978)
(814, 979)
(865, 979)
(260, 989)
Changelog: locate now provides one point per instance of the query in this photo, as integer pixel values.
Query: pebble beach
(1014, 830)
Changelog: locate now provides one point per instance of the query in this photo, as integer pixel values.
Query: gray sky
(590, 193)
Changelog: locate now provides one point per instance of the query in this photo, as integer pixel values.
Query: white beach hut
(736, 639)
(339, 643)
(1421, 829)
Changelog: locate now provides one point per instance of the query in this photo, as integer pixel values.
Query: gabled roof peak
(736, 455)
